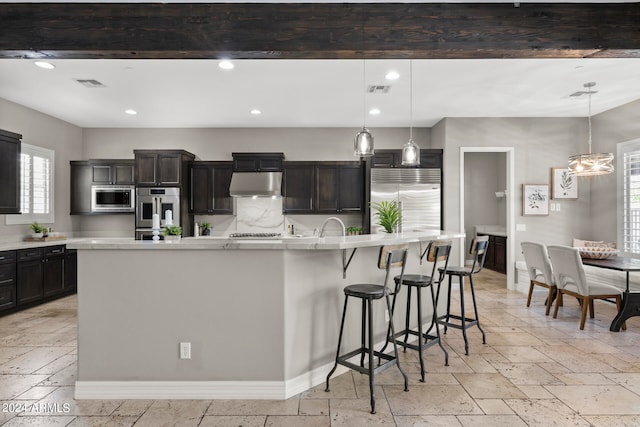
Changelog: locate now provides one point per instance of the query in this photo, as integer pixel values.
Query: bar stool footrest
(431, 340)
(469, 321)
(390, 360)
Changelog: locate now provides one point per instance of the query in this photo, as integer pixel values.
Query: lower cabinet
(7, 280)
(39, 274)
(496, 258)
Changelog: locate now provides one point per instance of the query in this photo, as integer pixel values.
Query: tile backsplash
(259, 215)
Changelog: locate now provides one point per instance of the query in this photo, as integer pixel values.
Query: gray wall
(48, 132)
(609, 129)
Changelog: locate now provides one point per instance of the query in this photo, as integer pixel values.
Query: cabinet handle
(56, 251)
(2, 257)
(2, 282)
(31, 254)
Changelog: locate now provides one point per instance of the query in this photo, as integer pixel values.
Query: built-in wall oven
(112, 198)
(154, 200)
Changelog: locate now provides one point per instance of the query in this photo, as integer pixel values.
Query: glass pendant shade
(591, 164)
(363, 144)
(410, 154)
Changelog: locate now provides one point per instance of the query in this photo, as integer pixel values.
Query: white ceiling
(313, 93)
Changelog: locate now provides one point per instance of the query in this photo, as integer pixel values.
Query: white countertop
(491, 230)
(12, 246)
(305, 242)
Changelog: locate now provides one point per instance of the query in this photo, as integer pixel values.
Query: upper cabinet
(9, 172)
(323, 187)
(298, 187)
(85, 173)
(119, 172)
(257, 162)
(339, 187)
(161, 167)
(429, 158)
(209, 188)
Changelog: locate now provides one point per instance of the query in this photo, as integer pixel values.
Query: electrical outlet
(386, 315)
(185, 350)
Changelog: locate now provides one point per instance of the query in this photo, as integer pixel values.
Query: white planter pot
(172, 238)
(37, 235)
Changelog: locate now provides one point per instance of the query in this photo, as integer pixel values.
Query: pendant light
(410, 150)
(363, 143)
(591, 164)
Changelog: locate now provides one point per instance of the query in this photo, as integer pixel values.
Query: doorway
(504, 203)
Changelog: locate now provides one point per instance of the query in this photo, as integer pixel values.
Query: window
(36, 186)
(629, 211)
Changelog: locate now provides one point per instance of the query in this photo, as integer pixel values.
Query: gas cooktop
(259, 236)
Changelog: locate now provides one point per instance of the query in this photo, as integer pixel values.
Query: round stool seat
(457, 271)
(364, 291)
(414, 280)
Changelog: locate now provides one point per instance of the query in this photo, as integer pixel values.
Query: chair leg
(420, 336)
(558, 303)
(530, 294)
(344, 312)
(395, 350)
(549, 300)
(434, 323)
(407, 320)
(462, 316)
(475, 308)
(619, 306)
(371, 379)
(591, 310)
(583, 312)
(448, 305)
(363, 331)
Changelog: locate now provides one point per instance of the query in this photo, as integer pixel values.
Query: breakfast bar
(221, 318)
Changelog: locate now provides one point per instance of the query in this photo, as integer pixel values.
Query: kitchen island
(261, 316)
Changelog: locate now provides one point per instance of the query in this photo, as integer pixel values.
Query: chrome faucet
(324, 224)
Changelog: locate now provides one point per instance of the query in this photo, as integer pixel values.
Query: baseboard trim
(246, 390)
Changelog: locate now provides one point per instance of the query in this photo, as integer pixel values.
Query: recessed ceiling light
(256, 112)
(45, 65)
(130, 112)
(374, 111)
(226, 65)
(392, 75)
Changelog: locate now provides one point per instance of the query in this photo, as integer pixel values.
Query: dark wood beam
(319, 31)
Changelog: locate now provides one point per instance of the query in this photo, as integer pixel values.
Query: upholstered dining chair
(540, 271)
(571, 280)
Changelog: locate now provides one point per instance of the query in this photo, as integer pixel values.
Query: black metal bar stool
(478, 250)
(390, 257)
(438, 253)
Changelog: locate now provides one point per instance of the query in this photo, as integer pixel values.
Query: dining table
(630, 300)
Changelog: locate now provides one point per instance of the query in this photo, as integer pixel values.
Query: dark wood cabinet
(429, 158)
(85, 173)
(496, 258)
(113, 172)
(257, 162)
(166, 168)
(10, 149)
(209, 188)
(53, 271)
(298, 187)
(339, 187)
(7, 280)
(29, 275)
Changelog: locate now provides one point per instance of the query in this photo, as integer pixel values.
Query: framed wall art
(535, 199)
(564, 185)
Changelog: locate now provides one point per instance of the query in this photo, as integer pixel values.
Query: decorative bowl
(597, 252)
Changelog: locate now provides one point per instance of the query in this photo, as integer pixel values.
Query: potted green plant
(354, 231)
(37, 230)
(172, 232)
(388, 214)
(206, 229)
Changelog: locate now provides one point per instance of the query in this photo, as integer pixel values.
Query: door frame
(510, 198)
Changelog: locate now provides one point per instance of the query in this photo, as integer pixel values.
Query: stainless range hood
(258, 184)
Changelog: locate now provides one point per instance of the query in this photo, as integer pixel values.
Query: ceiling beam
(319, 31)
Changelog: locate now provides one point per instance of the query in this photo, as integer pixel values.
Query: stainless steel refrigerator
(417, 189)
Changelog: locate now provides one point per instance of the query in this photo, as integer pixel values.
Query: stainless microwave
(113, 198)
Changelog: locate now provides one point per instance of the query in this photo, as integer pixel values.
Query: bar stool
(438, 253)
(390, 257)
(478, 250)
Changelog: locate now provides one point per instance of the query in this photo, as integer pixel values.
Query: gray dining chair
(571, 280)
(540, 272)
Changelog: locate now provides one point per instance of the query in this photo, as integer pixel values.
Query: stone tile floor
(533, 371)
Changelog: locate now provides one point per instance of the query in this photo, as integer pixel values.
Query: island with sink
(216, 317)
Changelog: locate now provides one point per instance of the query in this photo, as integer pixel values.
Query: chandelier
(591, 164)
